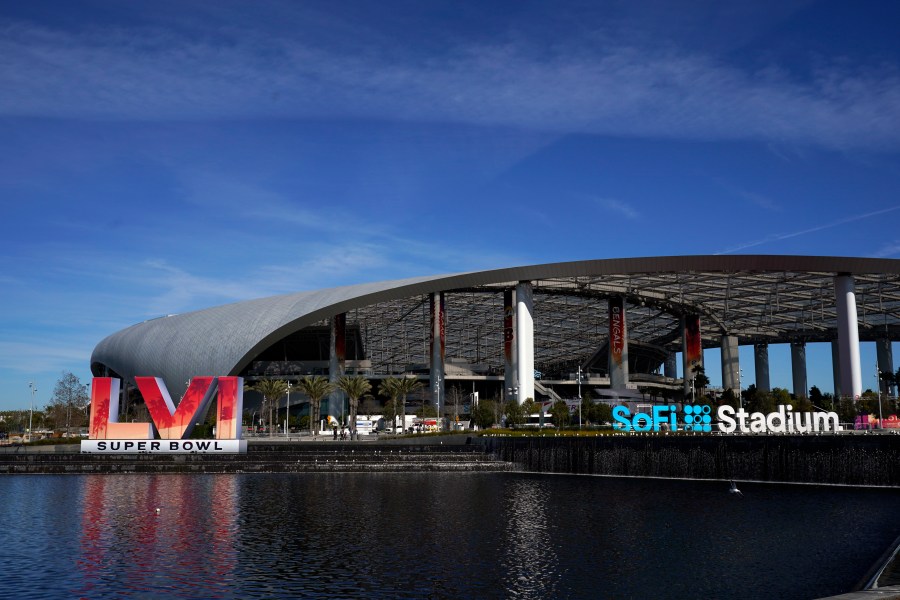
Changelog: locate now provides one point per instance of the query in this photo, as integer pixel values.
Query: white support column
(525, 340)
(731, 366)
(848, 336)
(337, 355)
(798, 369)
(618, 344)
(438, 341)
(836, 368)
(885, 363)
(761, 363)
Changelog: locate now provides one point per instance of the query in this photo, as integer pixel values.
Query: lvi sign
(174, 425)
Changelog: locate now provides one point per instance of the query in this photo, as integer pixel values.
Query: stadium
(617, 326)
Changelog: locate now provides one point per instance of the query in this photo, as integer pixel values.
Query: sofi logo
(659, 418)
(170, 422)
(699, 418)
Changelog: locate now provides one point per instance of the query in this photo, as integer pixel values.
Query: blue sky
(159, 157)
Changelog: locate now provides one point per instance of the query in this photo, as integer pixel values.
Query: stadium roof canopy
(758, 298)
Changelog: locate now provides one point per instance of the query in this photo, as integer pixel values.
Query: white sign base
(164, 446)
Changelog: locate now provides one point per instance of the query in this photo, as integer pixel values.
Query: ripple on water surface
(419, 535)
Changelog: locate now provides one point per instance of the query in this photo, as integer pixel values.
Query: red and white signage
(174, 425)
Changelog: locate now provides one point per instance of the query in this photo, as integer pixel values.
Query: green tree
(316, 387)
(600, 413)
(888, 380)
(801, 404)
(272, 390)
(701, 381)
(816, 397)
(559, 413)
(370, 406)
(355, 387)
(529, 407)
(408, 385)
(387, 388)
(485, 414)
(67, 406)
(729, 398)
(515, 416)
(847, 410)
(867, 403)
(749, 395)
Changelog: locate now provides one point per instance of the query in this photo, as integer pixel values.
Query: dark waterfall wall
(834, 459)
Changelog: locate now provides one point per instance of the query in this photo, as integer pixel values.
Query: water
(492, 535)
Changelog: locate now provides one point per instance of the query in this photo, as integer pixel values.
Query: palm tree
(272, 391)
(408, 385)
(316, 387)
(390, 388)
(355, 387)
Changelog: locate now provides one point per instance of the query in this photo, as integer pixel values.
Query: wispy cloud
(617, 206)
(755, 198)
(617, 90)
(42, 355)
(890, 249)
(246, 200)
(784, 236)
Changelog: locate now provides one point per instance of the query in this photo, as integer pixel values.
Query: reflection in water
(531, 565)
(146, 535)
(420, 535)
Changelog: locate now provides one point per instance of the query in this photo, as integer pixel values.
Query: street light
(878, 385)
(31, 411)
(437, 405)
(740, 395)
(287, 415)
(579, 396)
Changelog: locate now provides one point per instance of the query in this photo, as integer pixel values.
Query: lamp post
(740, 395)
(31, 410)
(579, 396)
(878, 385)
(287, 415)
(437, 405)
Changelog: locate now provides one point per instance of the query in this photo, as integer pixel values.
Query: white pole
(579, 396)
(878, 385)
(287, 416)
(31, 410)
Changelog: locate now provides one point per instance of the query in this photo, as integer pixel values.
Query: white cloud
(758, 199)
(49, 354)
(890, 249)
(617, 206)
(619, 90)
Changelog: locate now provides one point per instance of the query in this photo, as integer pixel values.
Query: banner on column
(340, 338)
(693, 345)
(616, 330)
(442, 326)
(508, 325)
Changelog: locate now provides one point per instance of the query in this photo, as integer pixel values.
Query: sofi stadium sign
(170, 427)
(699, 418)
